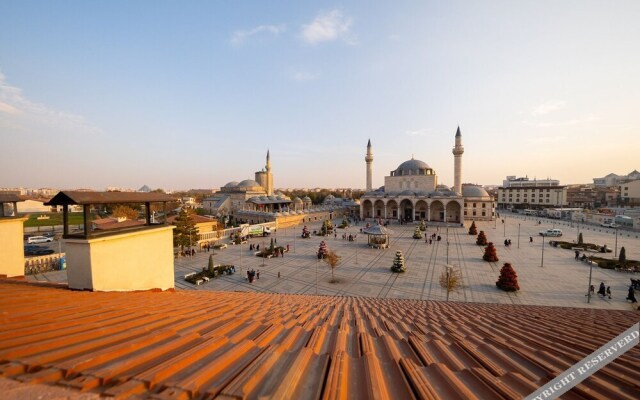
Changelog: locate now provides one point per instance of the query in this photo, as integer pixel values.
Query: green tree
(622, 258)
(185, 233)
(398, 263)
(210, 263)
(580, 239)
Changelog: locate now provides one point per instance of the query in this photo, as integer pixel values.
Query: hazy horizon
(193, 94)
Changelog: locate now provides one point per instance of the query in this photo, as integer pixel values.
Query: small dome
(297, 200)
(330, 197)
(474, 191)
(248, 183)
(306, 198)
(231, 184)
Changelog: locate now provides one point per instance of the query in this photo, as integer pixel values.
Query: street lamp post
(542, 262)
(447, 257)
(504, 225)
(262, 251)
(589, 288)
(518, 235)
(615, 254)
(356, 240)
(317, 261)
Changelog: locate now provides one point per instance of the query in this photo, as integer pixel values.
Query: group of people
(255, 247)
(349, 237)
(252, 274)
(434, 236)
(188, 252)
(507, 243)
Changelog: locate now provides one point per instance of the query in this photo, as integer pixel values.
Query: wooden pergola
(9, 199)
(88, 199)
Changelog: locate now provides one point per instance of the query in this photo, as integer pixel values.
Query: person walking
(577, 254)
(609, 292)
(631, 295)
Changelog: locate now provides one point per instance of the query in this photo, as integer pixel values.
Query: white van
(39, 239)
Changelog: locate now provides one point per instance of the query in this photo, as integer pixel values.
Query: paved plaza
(364, 271)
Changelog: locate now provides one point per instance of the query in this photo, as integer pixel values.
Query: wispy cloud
(327, 27)
(548, 107)
(417, 132)
(301, 76)
(239, 37)
(570, 122)
(537, 139)
(23, 115)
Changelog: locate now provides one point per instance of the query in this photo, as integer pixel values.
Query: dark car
(49, 234)
(31, 250)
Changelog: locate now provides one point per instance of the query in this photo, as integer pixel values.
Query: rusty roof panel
(70, 197)
(211, 345)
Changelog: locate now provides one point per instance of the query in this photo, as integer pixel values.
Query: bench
(206, 279)
(188, 275)
(199, 282)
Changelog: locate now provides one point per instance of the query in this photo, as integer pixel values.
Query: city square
(365, 271)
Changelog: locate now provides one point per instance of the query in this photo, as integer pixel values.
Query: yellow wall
(139, 260)
(12, 246)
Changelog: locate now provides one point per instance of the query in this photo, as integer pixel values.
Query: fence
(40, 264)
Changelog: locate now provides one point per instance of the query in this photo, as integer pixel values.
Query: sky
(192, 94)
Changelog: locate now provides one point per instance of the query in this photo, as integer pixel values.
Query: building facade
(522, 197)
(630, 193)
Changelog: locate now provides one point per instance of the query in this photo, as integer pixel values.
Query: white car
(551, 232)
(39, 239)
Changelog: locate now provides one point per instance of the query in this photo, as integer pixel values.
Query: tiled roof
(249, 345)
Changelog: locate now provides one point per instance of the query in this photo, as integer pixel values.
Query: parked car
(49, 234)
(551, 232)
(30, 250)
(39, 239)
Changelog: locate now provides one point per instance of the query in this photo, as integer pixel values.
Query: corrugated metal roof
(249, 345)
(82, 197)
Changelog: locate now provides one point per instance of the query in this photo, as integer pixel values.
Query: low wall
(12, 246)
(40, 264)
(139, 260)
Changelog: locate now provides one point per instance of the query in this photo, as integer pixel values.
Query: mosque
(254, 201)
(411, 193)
(249, 194)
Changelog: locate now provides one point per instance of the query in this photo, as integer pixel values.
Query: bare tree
(450, 279)
(332, 259)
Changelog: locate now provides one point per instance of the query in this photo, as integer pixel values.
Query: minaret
(269, 176)
(369, 160)
(458, 149)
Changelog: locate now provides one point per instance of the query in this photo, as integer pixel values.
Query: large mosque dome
(412, 167)
(248, 183)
